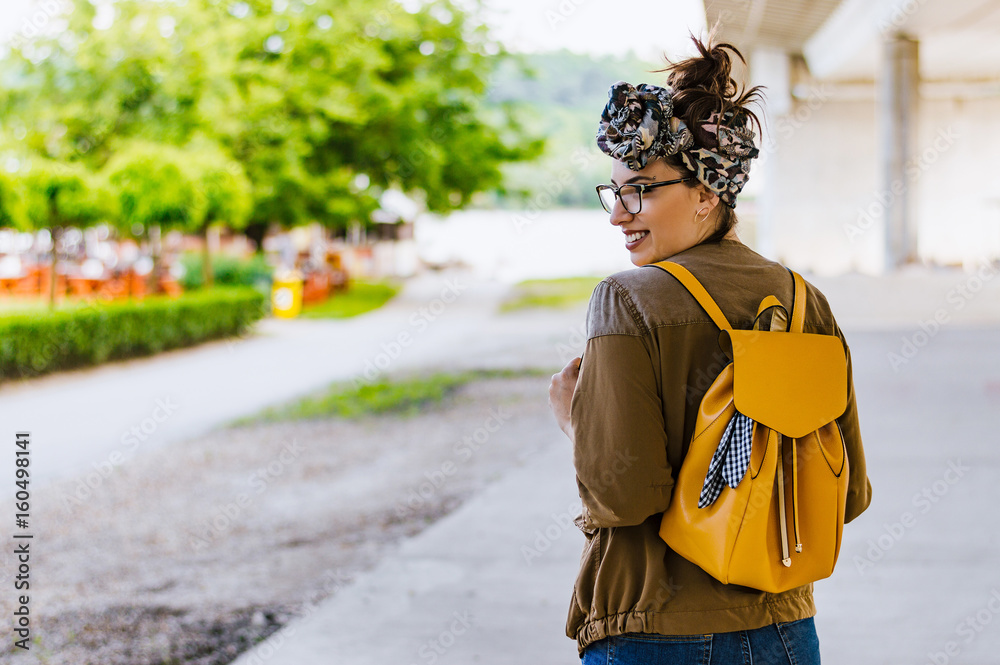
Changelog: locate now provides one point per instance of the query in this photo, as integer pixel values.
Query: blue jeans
(791, 643)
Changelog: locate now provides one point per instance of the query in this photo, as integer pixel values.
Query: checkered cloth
(730, 461)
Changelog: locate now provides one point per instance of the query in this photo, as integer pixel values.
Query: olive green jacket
(651, 354)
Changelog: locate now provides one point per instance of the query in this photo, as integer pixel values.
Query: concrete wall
(959, 194)
(820, 188)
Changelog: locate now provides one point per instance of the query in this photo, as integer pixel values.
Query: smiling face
(672, 219)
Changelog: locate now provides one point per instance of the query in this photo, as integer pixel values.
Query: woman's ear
(707, 199)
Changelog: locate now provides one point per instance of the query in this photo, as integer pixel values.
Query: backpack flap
(793, 383)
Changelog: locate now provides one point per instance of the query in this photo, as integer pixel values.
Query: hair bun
(704, 86)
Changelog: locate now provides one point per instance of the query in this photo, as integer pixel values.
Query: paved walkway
(918, 582)
(91, 419)
(490, 583)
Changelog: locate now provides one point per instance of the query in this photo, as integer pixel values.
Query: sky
(648, 27)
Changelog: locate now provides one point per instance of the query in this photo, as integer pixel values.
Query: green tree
(12, 207)
(60, 196)
(156, 191)
(223, 196)
(325, 104)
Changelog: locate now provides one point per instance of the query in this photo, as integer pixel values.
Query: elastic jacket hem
(702, 622)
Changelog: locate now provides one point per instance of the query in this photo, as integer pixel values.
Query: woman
(681, 156)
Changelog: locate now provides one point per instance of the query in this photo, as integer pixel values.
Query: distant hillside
(563, 78)
(561, 95)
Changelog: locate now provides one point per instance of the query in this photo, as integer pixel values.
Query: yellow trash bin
(286, 294)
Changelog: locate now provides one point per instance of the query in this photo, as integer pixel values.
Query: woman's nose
(619, 214)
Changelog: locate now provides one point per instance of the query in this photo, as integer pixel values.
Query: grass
(401, 396)
(41, 304)
(18, 306)
(563, 292)
(360, 297)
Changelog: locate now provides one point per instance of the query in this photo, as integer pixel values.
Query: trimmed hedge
(34, 343)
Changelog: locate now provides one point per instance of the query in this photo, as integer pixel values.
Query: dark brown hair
(703, 84)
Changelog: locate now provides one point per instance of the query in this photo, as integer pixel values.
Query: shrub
(227, 271)
(33, 343)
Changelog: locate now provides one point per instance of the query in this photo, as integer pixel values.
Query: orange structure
(36, 280)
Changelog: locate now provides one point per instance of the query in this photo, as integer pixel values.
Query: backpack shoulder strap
(695, 288)
(798, 303)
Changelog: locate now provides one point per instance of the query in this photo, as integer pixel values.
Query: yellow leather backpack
(780, 526)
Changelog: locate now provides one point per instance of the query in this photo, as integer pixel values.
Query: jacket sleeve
(859, 487)
(620, 443)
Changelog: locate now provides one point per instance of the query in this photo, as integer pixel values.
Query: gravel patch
(195, 552)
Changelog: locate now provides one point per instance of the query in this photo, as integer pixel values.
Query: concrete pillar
(769, 67)
(898, 98)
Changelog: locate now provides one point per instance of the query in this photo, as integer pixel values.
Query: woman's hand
(561, 394)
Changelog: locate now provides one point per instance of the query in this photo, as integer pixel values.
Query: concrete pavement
(490, 583)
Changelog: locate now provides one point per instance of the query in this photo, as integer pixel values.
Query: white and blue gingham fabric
(730, 461)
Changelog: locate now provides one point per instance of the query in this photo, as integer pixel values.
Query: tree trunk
(56, 233)
(206, 260)
(256, 232)
(153, 283)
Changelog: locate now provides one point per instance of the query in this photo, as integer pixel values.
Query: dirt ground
(193, 552)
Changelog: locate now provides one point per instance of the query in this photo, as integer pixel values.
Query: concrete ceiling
(958, 38)
(784, 24)
(842, 39)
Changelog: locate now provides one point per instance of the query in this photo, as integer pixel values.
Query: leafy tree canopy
(323, 103)
(59, 195)
(12, 208)
(155, 186)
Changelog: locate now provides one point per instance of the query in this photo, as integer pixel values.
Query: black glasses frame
(639, 187)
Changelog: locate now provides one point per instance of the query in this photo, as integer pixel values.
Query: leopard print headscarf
(638, 125)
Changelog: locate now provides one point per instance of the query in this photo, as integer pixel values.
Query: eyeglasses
(631, 195)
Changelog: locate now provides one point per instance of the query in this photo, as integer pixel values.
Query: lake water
(512, 245)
